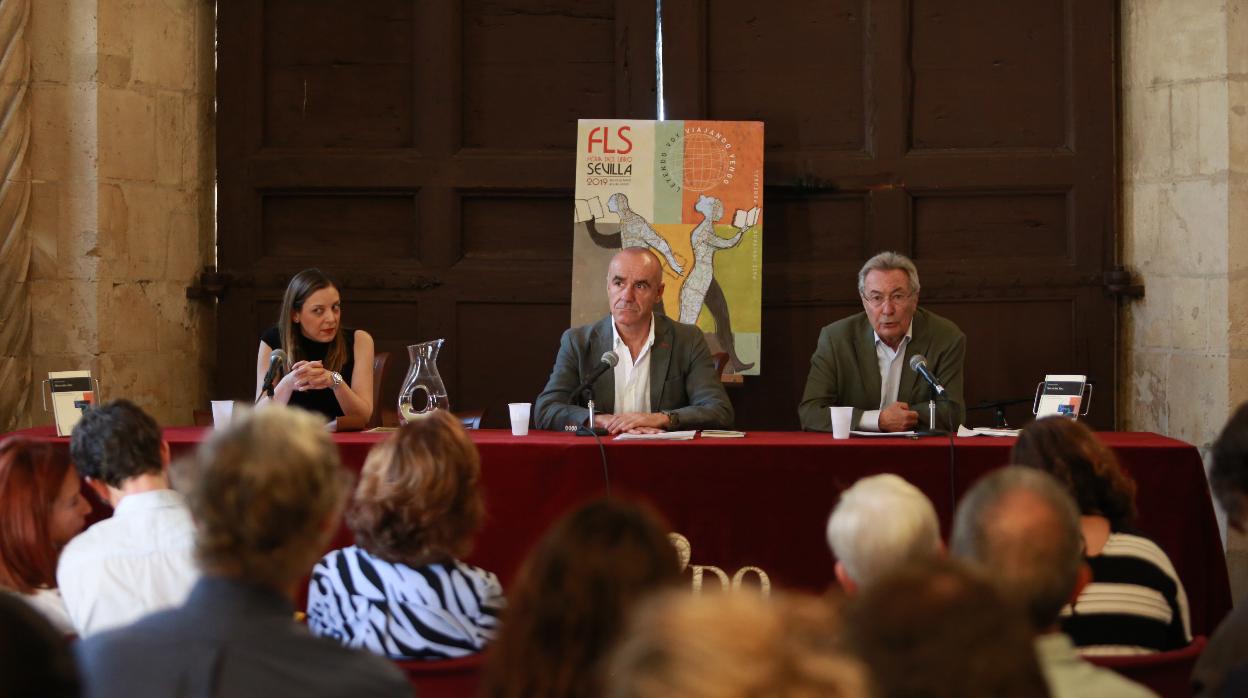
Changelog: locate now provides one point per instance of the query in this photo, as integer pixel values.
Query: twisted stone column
(15, 371)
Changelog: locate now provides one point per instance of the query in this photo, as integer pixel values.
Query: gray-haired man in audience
(1022, 527)
(266, 495)
(1222, 669)
(881, 522)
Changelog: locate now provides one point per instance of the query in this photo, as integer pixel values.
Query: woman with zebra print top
(401, 590)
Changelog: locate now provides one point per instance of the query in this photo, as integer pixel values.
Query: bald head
(634, 287)
(1023, 528)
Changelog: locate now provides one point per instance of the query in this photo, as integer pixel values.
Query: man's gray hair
(1032, 553)
(881, 522)
(888, 261)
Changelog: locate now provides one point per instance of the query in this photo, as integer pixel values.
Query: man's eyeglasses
(875, 300)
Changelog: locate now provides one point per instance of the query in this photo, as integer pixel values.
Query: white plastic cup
(519, 417)
(841, 418)
(222, 412)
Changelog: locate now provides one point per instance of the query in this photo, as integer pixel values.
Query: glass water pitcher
(423, 390)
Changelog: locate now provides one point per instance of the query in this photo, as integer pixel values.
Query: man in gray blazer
(664, 379)
(863, 361)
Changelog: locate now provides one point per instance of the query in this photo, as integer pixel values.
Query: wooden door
(421, 153)
(978, 137)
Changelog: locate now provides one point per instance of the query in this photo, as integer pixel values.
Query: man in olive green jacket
(863, 361)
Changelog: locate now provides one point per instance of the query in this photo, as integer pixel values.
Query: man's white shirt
(125, 567)
(632, 375)
(891, 362)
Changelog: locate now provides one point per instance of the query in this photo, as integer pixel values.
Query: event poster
(692, 192)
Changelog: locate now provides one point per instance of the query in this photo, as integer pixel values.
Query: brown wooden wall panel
(531, 69)
(978, 137)
(339, 225)
(991, 225)
(816, 229)
(504, 353)
(339, 76)
(516, 227)
(758, 61)
(1011, 345)
(989, 74)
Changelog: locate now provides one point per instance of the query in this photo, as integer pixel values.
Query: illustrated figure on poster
(635, 231)
(700, 286)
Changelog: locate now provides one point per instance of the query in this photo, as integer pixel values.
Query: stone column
(122, 215)
(1184, 223)
(15, 383)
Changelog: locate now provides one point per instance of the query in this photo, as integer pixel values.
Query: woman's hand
(309, 375)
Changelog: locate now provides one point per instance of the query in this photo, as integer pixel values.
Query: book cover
(692, 192)
(71, 396)
(1061, 395)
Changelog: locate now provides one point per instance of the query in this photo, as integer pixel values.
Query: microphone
(918, 364)
(277, 364)
(608, 362)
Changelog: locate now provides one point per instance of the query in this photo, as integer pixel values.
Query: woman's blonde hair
(261, 491)
(418, 501)
(734, 645)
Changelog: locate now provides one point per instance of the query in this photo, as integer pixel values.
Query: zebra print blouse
(432, 612)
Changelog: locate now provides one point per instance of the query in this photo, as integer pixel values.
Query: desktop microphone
(277, 364)
(608, 362)
(918, 364)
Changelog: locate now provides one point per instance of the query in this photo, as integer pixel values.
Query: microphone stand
(595, 432)
(589, 429)
(932, 429)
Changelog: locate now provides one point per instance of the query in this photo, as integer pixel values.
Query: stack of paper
(986, 431)
(722, 434)
(661, 436)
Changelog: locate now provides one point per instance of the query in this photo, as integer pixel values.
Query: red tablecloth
(763, 500)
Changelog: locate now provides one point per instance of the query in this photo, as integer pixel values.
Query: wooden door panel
(758, 61)
(343, 79)
(989, 74)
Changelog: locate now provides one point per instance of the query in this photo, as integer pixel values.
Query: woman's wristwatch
(336, 377)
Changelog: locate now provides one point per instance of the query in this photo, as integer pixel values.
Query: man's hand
(898, 417)
(633, 422)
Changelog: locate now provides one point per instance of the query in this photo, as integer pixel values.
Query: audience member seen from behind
(141, 559)
(331, 367)
(34, 657)
(880, 522)
(41, 509)
(1222, 669)
(573, 594)
(1022, 528)
(1135, 602)
(401, 590)
(937, 629)
(733, 645)
(266, 494)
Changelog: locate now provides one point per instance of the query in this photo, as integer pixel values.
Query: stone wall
(15, 378)
(1185, 220)
(121, 213)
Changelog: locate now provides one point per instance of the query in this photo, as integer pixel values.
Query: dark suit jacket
(682, 377)
(844, 371)
(229, 639)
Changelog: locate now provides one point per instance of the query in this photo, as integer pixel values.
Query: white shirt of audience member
(135, 563)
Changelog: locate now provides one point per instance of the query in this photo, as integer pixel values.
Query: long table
(761, 502)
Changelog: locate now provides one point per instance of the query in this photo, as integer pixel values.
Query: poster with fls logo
(691, 192)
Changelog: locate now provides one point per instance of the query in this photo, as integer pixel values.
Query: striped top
(433, 612)
(1134, 605)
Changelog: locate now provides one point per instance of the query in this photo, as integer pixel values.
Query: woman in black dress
(330, 367)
